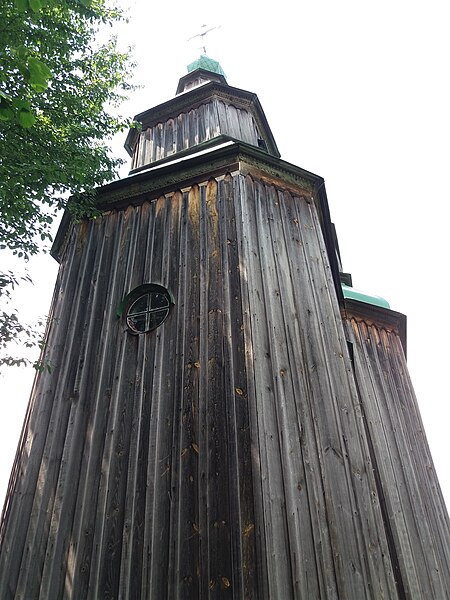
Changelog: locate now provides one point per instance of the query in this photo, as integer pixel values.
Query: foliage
(58, 90)
(13, 331)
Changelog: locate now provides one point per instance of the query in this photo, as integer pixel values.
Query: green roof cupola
(201, 71)
(207, 64)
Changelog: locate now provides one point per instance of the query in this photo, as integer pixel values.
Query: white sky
(356, 92)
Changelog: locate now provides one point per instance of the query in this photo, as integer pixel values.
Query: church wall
(414, 509)
(222, 455)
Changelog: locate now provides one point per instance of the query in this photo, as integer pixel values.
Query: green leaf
(26, 118)
(6, 114)
(21, 5)
(19, 104)
(22, 53)
(35, 5)
(39, 74)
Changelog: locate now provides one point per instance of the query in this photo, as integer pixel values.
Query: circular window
(146, 307)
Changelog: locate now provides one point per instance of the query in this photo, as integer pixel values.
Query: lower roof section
(379, 315)
(354, 294)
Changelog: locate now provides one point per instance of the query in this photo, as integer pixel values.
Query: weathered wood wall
(199, 124)
(414, 509)
(223, 455)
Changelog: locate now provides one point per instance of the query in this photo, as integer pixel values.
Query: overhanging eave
(211, 159)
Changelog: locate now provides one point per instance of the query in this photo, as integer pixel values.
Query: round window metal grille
(148, 311)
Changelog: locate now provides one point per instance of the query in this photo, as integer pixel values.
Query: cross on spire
(202, 35)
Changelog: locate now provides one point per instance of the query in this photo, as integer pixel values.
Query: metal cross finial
(202, 35)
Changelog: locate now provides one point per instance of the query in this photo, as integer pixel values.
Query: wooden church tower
(227, 417)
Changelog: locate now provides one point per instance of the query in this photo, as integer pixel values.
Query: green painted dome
(206, 63)
(353, 294)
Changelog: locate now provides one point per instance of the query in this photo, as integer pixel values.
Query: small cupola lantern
(201, 71)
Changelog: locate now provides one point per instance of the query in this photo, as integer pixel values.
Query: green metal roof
(353, 294)
(206, 63)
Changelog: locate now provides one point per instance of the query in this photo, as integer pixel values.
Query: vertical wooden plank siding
(415, 510)
(189, 129)
(225, 454)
